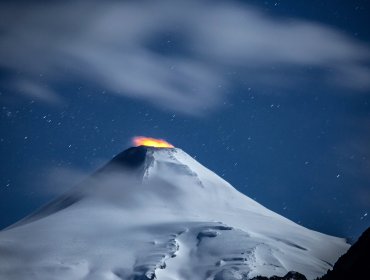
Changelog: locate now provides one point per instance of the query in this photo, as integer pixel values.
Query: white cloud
(175, 54)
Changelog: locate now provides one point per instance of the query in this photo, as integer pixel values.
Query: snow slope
(157, 212)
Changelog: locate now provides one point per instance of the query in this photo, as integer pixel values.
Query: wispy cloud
(175, 54)
(37, 91)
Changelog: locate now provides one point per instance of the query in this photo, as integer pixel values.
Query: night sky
(274, 96)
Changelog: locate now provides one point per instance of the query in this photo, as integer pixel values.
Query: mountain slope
(159, 213)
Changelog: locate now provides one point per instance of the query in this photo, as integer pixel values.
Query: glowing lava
(151, 142)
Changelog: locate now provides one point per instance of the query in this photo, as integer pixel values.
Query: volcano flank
(157, 213)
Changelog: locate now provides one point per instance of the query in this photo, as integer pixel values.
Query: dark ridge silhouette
(355, 263)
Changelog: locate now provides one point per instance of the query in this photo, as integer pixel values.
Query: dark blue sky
(271, 95)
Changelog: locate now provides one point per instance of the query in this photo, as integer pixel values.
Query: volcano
(156, 213)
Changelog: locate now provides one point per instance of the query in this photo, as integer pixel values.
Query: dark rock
(130, 158)
(206, 233)
(355, 263)
(291, 275)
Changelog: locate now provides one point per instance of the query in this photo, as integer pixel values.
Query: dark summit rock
(355, 263)
(131, 158)
(133, 161)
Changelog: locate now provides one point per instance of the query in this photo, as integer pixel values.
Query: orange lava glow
(151, 142)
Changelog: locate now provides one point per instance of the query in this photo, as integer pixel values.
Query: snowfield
(157, 212)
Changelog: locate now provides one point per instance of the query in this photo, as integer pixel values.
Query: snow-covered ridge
(157, 212)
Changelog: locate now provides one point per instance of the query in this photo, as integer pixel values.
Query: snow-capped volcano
(157, 212)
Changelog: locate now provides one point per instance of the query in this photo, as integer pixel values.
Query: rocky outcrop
(355, 263)
(291, 275)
